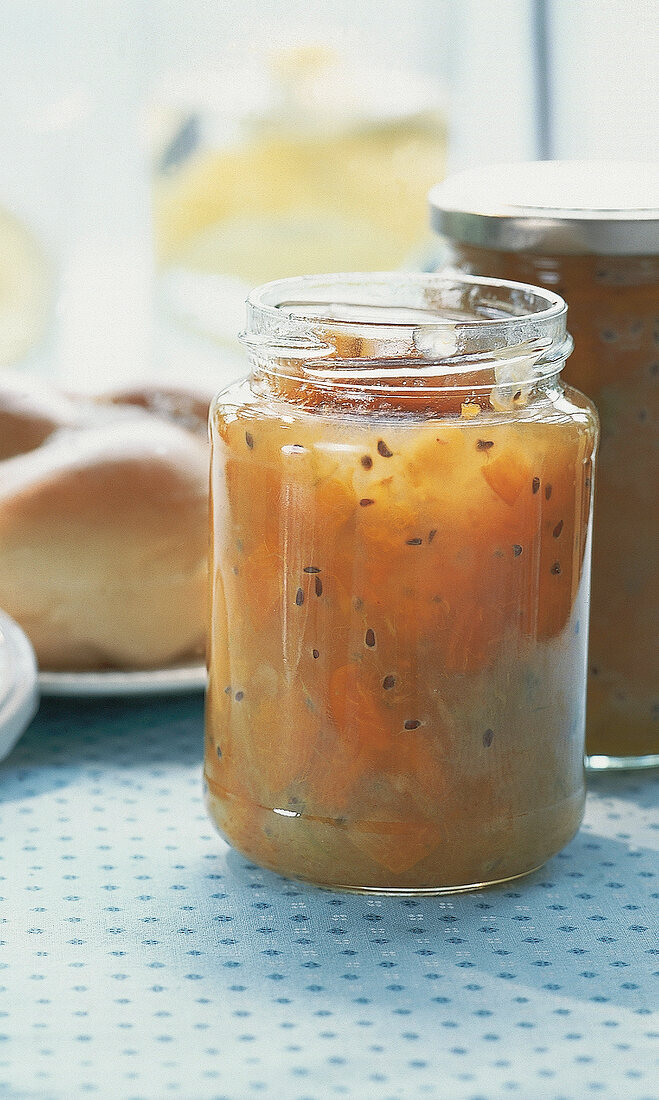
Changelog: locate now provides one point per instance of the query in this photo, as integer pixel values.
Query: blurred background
(159, 157)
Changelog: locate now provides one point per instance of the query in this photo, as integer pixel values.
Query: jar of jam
(401, 512)
(590, 231)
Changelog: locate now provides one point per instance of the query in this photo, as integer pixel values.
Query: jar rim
(269, 298)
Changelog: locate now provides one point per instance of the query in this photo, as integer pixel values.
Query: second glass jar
(401, 513)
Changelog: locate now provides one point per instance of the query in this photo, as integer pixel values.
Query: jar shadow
(568, 932)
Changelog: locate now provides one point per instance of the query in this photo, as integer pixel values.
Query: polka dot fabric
(140, 958)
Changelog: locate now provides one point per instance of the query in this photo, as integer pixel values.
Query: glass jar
(591, 233)
(283, 162)
(401, 500)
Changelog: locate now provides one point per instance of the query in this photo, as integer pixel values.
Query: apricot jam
(401, 502)
(600, 253)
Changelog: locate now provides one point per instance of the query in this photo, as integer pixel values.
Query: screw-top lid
(578, 207)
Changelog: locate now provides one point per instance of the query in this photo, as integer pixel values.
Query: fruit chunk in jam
(398, 638)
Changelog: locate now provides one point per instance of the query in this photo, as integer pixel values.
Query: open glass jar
(590, 231)
(401, 511)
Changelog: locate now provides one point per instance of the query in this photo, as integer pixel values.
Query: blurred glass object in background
(25, 289)
(75, 257)
(294, 161)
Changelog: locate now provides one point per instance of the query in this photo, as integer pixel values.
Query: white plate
(19, 697)
(159, 681)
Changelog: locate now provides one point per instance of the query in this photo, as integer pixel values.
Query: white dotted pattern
(140, 958)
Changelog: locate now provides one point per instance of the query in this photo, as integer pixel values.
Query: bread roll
(103, 526)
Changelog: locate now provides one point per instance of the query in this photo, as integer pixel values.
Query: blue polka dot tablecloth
(140, 958)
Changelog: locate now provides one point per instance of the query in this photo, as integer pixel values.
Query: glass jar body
(398, 634)
(614, 319)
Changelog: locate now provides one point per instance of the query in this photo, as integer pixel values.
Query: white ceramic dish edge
(20, 701)
(177, 680)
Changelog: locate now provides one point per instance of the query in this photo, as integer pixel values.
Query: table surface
(141, 958)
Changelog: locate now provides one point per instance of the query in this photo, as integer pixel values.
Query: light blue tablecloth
(140, 958)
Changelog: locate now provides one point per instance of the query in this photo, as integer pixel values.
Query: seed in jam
(388, 682)
(299, 597)
(383, 449)
(484, 444)
(556, 568)
(412, 724)
(366, 462)
(249, 440)
(488, 737)
(318, 586)
(535, 484)
(517, 549)
(365, 501)
(558, 528)
(370, 638)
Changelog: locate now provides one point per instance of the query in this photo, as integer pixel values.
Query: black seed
(608, 335)
(366, 461)
(535, 484)
(484, 444)
(556, 568)
(299, 597)
(413, 542)
(227, 690)
(365, 501)
(383, 449)
(431, 534)
(388, 682)
(311, 569)
(315, 654)
(516, 396)
(370, 638)
(594, 670)
(558, 528)
(517, 549)
(488, 737)
(547, 492)
(218, 750)
(240, 695)
(643, 415)
(412, 724)
(249, 440)
(587, 483)
(318, 584)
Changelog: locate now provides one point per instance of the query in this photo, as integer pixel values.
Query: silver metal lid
(558, 207)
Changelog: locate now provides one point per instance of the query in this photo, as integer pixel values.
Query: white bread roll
(103, 527)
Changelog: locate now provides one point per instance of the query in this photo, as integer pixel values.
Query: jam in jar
(590, 232)
(401, 511)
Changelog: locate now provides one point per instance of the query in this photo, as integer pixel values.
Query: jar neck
(405, 341)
